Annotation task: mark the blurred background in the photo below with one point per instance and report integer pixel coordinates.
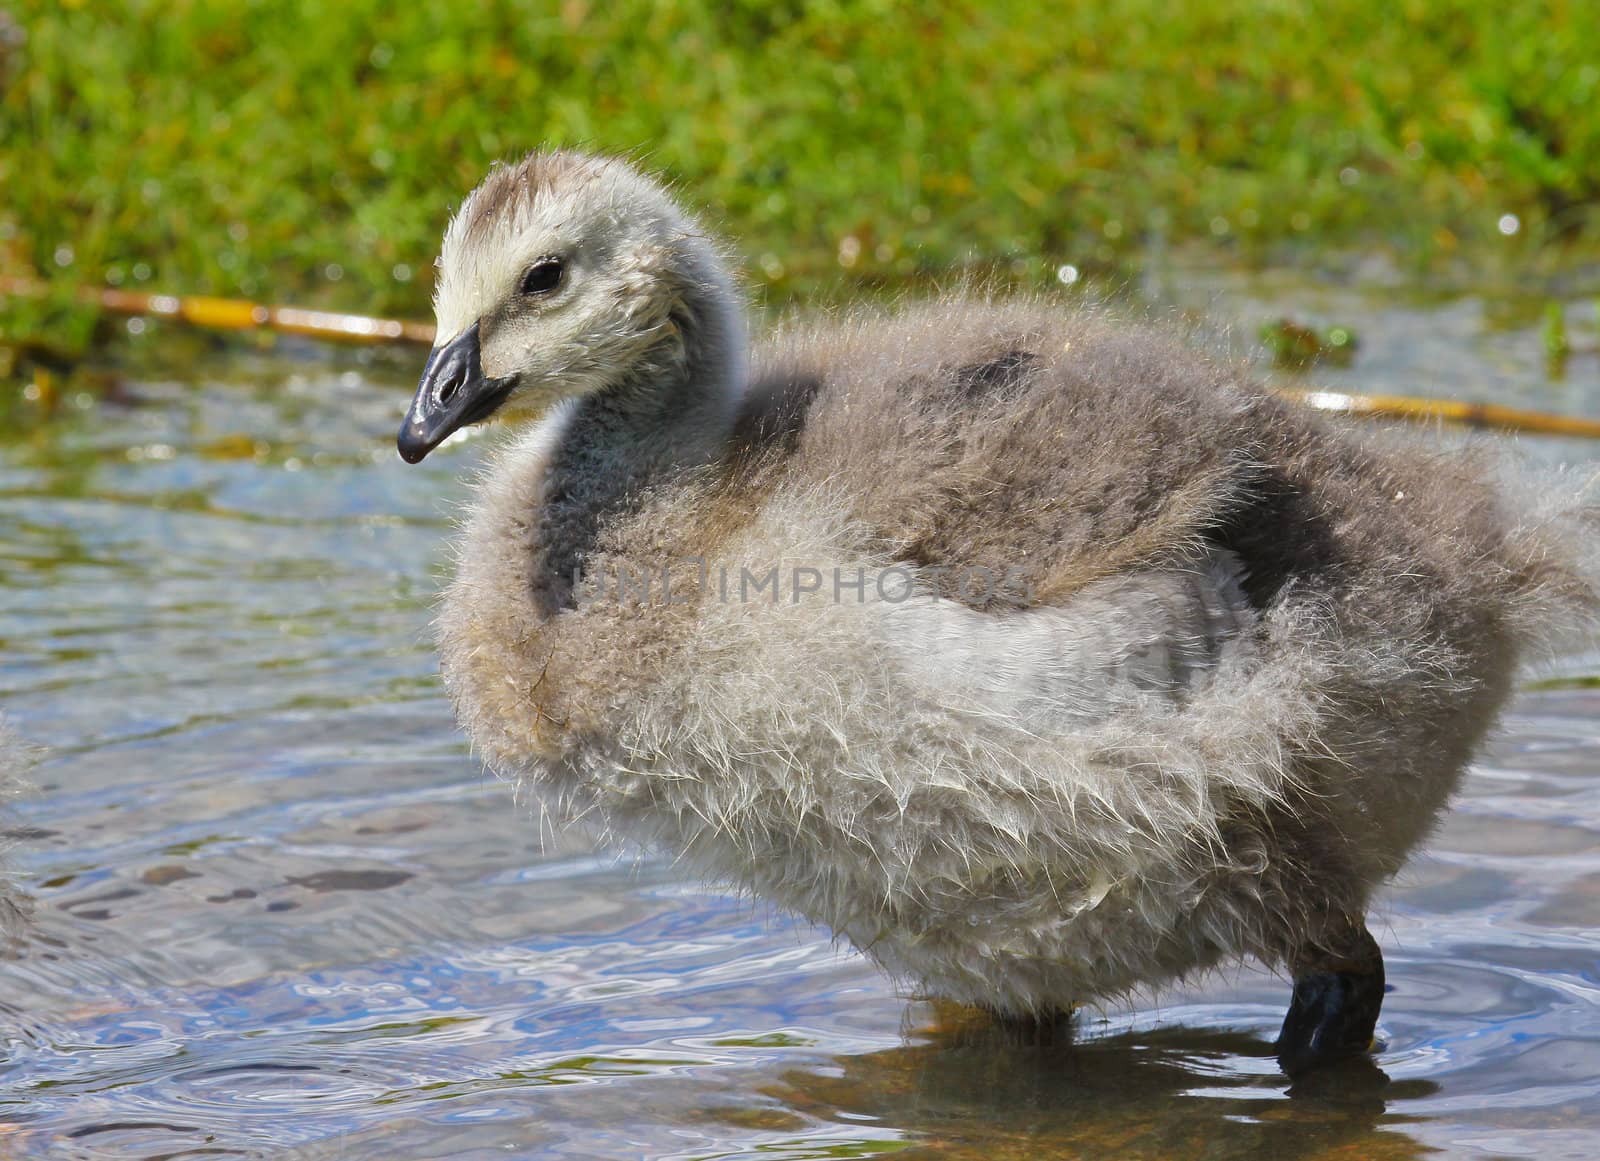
(313, 152)
(281, 910)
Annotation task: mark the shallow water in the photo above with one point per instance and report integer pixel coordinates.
(282, 912)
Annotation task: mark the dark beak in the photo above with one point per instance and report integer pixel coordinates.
(452, 394)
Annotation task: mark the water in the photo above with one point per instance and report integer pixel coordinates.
(283, 914)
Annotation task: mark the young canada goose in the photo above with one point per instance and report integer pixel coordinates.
(1040, 656)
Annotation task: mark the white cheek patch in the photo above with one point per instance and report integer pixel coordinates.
(505, 350)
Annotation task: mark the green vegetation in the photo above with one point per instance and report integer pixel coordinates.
(312, 151)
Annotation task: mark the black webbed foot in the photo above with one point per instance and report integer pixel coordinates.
(1335, 1007)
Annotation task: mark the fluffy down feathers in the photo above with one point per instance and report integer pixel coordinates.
(961, 787)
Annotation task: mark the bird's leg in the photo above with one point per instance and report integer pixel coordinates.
(1048, 1029)
(1338, 989)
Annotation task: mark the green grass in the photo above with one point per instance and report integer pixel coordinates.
(313, 150)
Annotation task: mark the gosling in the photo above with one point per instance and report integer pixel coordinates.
(1040, 656)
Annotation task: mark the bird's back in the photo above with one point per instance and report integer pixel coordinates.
(1076, 447)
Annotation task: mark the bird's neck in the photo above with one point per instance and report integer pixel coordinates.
(670, 413)
(675, 406)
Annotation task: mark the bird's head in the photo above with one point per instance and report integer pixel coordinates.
(562, 275)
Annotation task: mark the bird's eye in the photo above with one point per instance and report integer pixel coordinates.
(542, 277)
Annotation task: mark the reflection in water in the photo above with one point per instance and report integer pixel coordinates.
(975, 1091)
(283, 914)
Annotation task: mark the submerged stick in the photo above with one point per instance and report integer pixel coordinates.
(240, 314)
(1486, 415)
(237, 314)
